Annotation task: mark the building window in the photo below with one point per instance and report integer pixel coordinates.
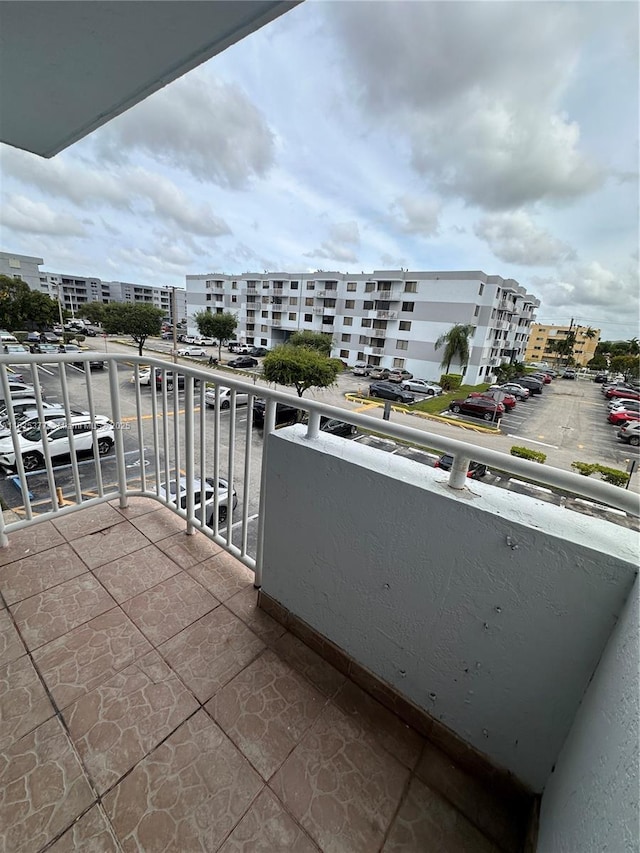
(234, 285)
(311, 285)
(402, 344)
(265, 285)
(344, 353)
(264, 313)
(398, 362)
(308, 318)
(308, 301)
(370, 286)
(365, 323)
(363, 339)
(347, 321)
(405, 325)
(351, 286)
(345, 339)
(368, 306)
(407, 306)
(293, 300)
(234, 299)
(294, 285)
(263, 342)
(292, 315)
(411, 287)
(481, 290)
(350, 303)
(477, 311)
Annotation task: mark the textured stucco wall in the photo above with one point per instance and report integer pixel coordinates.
(487, 608)
(591, 803)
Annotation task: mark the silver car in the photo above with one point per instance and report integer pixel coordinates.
(177, 494)
(422, 386)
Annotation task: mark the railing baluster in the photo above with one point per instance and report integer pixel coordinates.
(114, 390)
(269, 426)
(92, 415)
(64, 385)
(188, 452)
(143, 473)
(248, 452)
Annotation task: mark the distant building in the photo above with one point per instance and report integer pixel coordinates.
(544, 338)
(73, 291)
(390, 318)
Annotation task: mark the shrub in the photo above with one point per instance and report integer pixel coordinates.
(613, 476)
(21, 337)
(450, 381)
(80, 338)
(585, 468)
(526, 453)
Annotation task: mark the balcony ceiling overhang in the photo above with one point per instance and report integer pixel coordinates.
(66, 68)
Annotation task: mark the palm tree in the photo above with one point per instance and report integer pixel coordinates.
(456, 345)
(634, 346)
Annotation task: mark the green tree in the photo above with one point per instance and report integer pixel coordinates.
(300, 367)
(629, 365)
(319, 341)
(456, 346)
(563, 347)
(136, 320)
(23, 308)
(634, 347)
(93, 312)
(221, 327)
(598, 362)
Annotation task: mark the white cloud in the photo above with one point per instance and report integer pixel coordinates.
(515, 238)
(417, 215)
(584, 287)
(342, 236)
(35, 217)
(198, 124)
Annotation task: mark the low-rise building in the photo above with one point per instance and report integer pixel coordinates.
(544, 340)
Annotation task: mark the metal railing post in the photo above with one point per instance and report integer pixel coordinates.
(114, 391)
(459, 469)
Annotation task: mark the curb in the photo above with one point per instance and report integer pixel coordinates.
(355, 398)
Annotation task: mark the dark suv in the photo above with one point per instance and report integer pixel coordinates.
(390, 391)
(285, 414)
(534, 385)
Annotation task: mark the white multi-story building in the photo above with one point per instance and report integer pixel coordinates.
(390, 318)
(73, 291)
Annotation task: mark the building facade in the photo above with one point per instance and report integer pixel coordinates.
(390, 318)
(73, 291)
(544, 339)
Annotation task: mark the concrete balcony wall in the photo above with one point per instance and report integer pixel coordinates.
(486, 608)
(591, 800)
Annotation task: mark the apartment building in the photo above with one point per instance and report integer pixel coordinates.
(73, 291)
(543, 341)
(390, 318)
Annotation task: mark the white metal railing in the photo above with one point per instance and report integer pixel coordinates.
(193, 443)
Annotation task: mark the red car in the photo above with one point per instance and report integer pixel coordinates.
(621, 416)
(623, 393)
(545, 377)
(507, 400)
(478, 407)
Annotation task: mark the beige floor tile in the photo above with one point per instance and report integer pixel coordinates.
(11, 646)
(188, 551)
(136, 507)
(395, 736)
(222, 575)
(106, 545)
(245, 605)
(187, 795)
(29, 541)
(89, 655)
(426, 821)
(91, 834)
(320, 673)
(130, 575)
(89, 520)
(266, 710)
(167, 608)
(118, 723)
(211, 651)
(340, 785)
(42, 789)
(24, 704)
(52, 613)
(267, 828)
(31, 575)
(159, 525)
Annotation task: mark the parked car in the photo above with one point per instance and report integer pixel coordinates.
(361, 368)
(94, 364)
(243, 361)
(616, 404)
(600, 378)
(285, 414)
(39, 349)
(621, 416)
(622, 393)
(69, 348)
(239, 348)
(569, 374)
(478, 407)
(20, 405)
(517, 391)
(544, 377)
(379, 373)
(167, 336)
(19, 389)
(170, 380)
(226, 394)
(193, 352)
(204, 499)
(86, 435)
(258, 351)
(397, 375)
(390, 391)
(27, 418)
(14, 348)
(630, 433)
(507, 400)
(335, 427)
(475, 472)
(33, 338)
(534, 385)
(422, 386)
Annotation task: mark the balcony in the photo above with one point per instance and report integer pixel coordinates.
(383, 691)
(387, 315)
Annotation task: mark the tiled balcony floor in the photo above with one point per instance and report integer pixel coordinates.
(147, 704)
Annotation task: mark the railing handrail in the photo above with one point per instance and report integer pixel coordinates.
(581, 486)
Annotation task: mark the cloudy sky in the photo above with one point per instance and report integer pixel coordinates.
(355, 136)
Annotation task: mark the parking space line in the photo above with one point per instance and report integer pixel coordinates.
(531, 440)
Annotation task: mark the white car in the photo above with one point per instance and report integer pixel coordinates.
(19, 389)
(179, 496)
(144, 376)
(86, 435)
(242, 398)
(517, 391)
(193, 352)
(26, 416)
(422, 386)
